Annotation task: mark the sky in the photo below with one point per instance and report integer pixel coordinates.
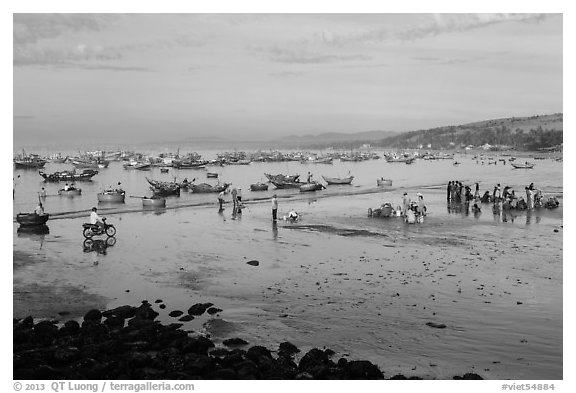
(169, 77)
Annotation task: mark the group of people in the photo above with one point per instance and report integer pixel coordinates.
(236, 200)
(118, 189)
(412, 211)
(504, 197)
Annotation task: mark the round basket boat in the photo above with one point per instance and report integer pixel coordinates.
(154, 202)
(74, 192)
(113, 197)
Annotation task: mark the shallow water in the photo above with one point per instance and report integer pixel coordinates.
(361, 286)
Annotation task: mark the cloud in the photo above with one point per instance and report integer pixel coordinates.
(438, 24)
(37, 39)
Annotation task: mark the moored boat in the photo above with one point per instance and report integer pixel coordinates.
(206, 188)
(258, 187)
(282, 178)
(70, 192)
(383, 182)
(526, 165)
(32, 161)
(86, 175)
(386, 210)
(308, 187)
(212, 175)
(154, 201)
(338, 180)
(286, 184)
(112, 196)
(32, 219)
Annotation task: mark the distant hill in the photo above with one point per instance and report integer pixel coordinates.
(335, 139)
(523, 133)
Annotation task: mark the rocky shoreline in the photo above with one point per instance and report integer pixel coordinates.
(127, 343)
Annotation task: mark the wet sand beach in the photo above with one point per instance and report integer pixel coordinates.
(453, 295)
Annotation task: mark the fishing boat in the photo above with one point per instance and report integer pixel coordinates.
(86, 175)
(212, 175)
(383, 182)
(154, 201)
(337, 180)
(32, 161)
(206, 188)
(406, 160)
(70, 192)
(282, 178)
(286, 184)
(32, 219)
(308, 187)
(89, 163)
(163, 170)
(188, 164)
(112, 196)
(162, 188)
(57, 159)
(259, 187)
(142, 166)
(526, 165)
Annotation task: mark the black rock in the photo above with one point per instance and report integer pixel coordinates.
(114, 322)
(45, 328)
(436, 325)
(27, 322)
(122, 311)
(186, 318)
(199, 308)
(72, 327)
(225, 373)
(315, 362)
(162, 306)
(256, 352)
(158, 301)
(198, 345)
(175, 313)
(145, 311)
(234, 342)
(253, 263)
(399, 376)
(362, 369)
(93, 316)
(468, 376)
(213, 310)
(287, 348)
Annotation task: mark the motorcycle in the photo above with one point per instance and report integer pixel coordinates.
(94, 229)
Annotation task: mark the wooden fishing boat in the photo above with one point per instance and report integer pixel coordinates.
(188, 164)
(89, 164)
(115, 196)
(70, 192)
(86, 175)
(282, 178)
(32, 219)
(406, 160)
(526, 165)
(206, 188)
(383, 182)
(259, 187)
(286, 184)
(142, 166)
(212, 175)
(154, 201)
(32, 161)
(308, 187)
(337, 180)
(163, 170)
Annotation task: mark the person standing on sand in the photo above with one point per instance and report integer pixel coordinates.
(477, 192)
(43, 193)
(405, 203)
(234, 193)
(274, 207)
(221, 200)
(448, 191)
(239, 196)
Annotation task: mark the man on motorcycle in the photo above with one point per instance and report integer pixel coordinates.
(95, 219)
